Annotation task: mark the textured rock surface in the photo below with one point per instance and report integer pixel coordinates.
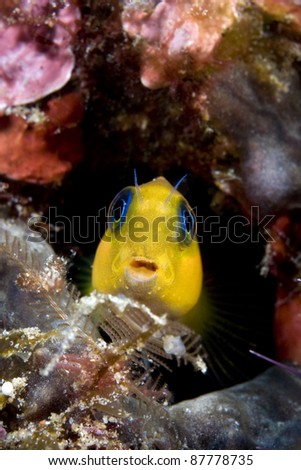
(44, 145)
(179, 36)
(264, 413)
(263, 120)
(80, 373)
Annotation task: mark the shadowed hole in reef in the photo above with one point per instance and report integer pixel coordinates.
(237, 311)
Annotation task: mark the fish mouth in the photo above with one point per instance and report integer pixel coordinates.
(141, 273)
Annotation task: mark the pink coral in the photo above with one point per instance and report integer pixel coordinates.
(179, 36)
(35, 55)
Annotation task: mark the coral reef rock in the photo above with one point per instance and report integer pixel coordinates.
(264, 413)
(36, 58)
(42, 146)
(177, 37)
(81, 373)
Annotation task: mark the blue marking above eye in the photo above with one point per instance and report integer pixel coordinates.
(187, 222)
(119, 208)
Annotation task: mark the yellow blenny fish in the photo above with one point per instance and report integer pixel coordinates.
(149, 251)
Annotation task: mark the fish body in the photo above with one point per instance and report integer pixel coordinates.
(149, 251)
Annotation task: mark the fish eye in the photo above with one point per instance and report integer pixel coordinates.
(119, 207)
(187, 222)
